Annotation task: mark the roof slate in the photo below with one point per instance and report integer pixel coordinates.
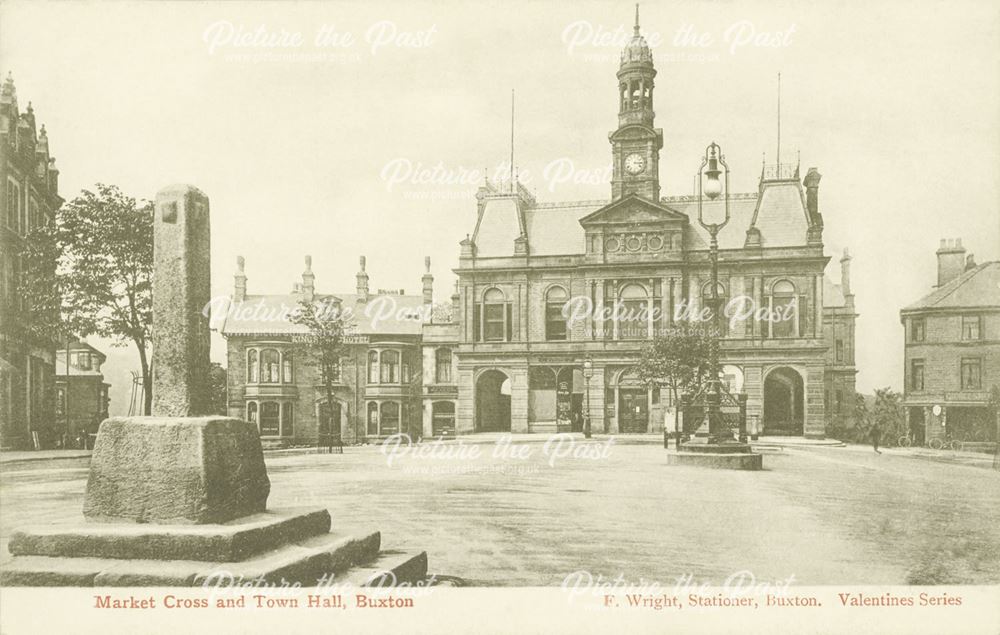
(554, 229)
(977, 287)
(383, 314)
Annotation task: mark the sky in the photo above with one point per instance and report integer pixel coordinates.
(362, 128)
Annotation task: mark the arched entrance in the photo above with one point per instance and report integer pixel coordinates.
(784, 399)
(493, 402)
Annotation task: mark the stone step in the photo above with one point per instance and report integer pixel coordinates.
(227, 542)
(390, 569)
(305, 562)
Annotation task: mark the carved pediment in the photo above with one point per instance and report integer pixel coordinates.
(635, 211)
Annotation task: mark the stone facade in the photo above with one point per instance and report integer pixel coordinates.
(29, 181)
(275, 382)
(952, 349)
(520, 361)
(507, 359)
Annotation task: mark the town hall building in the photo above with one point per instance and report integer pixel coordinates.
(521, 362)
(504, 357)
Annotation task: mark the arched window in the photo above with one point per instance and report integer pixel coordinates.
(442, 365)
(390, 367)
(372, 419)
(373, 367)
(784, 309)
(287, 419)
(555, 320)
(633, 317)
(496, 316)
(270, 366)
(252, 411)
(269, 419)
(286, 364)
(252, 366)
(389, 418)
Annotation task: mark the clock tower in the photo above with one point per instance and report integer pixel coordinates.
(636, 143)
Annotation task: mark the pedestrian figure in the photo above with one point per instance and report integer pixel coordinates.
(876, 433)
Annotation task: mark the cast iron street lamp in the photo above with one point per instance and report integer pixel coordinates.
(709, 185)
(588, 372)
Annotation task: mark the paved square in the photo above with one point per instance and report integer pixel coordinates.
(826, 515)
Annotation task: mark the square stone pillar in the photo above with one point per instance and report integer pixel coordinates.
(519, 400)
(181, 280)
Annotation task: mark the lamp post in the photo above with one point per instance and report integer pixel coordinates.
(709, 185)
(588, 372)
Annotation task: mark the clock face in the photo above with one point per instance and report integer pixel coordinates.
(635, 163)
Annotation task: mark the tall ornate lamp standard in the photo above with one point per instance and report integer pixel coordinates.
(715, 446)
(588, 372)
(709, 185)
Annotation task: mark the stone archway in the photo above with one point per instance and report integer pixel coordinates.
(493, 402)
(784, 402)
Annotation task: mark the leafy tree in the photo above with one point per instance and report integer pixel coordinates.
(103, 243)
(679, 360)
(862, 414)
(219, 397)
(887, 411)
(324, 346)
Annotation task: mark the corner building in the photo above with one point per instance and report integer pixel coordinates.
(951, 350)
(520, 361)
(30, 197)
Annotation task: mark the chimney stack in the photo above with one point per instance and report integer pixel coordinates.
(308, 281)
(428, 281)
(845, 273)
(240, 290)
(970, 262)
(456, 303)
(951, 260)
(362, 289)
(845, 278)
(811, 181)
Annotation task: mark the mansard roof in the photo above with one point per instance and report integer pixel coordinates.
(978, 287)
(777, 211)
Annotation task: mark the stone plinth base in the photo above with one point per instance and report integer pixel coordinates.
(228, 542)
(277, 547)
(701, 446)
(721, 460)
(183, 470)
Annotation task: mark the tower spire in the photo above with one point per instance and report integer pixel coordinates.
(636, 143)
